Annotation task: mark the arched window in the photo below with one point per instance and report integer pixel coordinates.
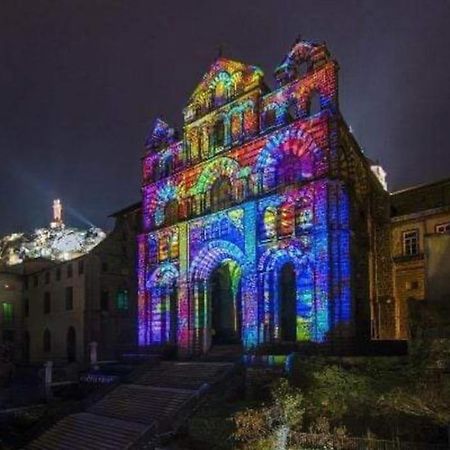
(302, 69)
(186, 209)
(286, 223)
(202, 142)
(288, 170)
(163, 248)
(219, 133)
(236, 127)
(303, 219)
(193, 143)
(239, 189)
(47, 341)
(271, 178)
(174, 247)
(167, 166)
(270, 222)
(220, 94)
(221, 197)
(156, 170)
(292, 112)
(122, 299)
(270, 117)
(152, 249)
(171, 212)
(250, 122)
(152, 172)
(314, 106)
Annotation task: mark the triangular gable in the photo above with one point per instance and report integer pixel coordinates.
(242, 76)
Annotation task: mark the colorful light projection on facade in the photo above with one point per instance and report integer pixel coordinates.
(249, 189)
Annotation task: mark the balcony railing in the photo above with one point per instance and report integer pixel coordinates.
(408, 258)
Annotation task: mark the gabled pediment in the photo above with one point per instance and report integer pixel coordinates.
(226, 79)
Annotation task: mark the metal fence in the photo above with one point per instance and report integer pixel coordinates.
(303, 441)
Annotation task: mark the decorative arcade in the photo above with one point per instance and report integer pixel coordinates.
(249, 232)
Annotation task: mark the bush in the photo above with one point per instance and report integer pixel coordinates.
(270, 425)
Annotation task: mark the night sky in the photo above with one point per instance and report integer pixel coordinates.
(81, 82)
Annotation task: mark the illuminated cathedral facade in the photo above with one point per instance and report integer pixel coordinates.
(264, 223)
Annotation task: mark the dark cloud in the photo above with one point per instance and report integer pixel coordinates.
(81, 80)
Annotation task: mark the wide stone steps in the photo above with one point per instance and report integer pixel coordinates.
(143, 404)
(156, 402)
(90, 432)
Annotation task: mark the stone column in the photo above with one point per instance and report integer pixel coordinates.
(276, 305)
(183, 338)
(265, 295)
(206, 324)
(167, 313)
(196, 318)
(250, 310)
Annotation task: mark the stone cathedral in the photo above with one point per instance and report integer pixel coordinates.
(264, 223)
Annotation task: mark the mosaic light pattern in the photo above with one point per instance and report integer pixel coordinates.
(282, 207)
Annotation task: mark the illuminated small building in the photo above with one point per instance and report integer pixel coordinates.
(264, 223)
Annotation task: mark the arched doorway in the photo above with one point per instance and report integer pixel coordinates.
(209, 278)
(71, 344)
(288, 308)
(225, 303)
(163, 287)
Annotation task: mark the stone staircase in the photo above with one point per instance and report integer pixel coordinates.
(89, 431)
(145, 404)
(156, 401)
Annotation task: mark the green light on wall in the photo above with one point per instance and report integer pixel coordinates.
(122, 300)
(7, 312)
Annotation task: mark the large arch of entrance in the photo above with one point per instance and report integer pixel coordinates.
(218, 280)
(224, 291)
